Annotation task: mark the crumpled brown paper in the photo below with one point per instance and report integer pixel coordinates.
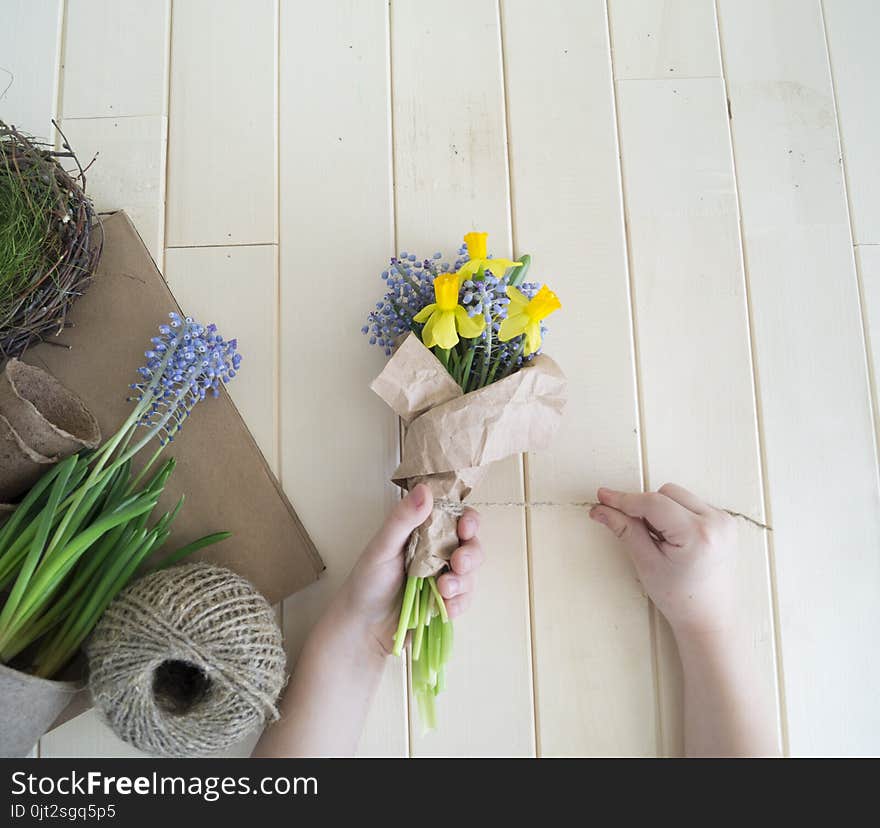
(451, 437)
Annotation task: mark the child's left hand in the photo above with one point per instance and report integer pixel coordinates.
(373, 588)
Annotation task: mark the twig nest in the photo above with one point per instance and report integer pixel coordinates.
(187, 661)
(52, 240)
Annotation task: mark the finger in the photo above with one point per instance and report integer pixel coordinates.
(451, 585)
(408, 514)
(467, 558)
(458, 605)
(687, 499)
(632, 531)
(468, 524)
(671, 519)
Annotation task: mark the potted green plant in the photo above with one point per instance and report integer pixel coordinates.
(86, 528)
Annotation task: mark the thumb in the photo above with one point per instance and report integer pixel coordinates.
(632, 531)
(408, 514)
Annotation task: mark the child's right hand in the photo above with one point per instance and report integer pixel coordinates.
(683, 551)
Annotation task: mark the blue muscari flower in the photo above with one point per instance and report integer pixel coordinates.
(409, 286)
(186, 362)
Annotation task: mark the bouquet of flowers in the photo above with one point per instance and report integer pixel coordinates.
(468, 379)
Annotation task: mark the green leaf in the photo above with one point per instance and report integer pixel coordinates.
(10, 528)
(195, 546)
(37, 546)
(519, 273)
(48, 580)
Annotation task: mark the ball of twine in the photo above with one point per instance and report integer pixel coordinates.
(187, 661)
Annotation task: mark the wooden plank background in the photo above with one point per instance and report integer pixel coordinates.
(696, 180)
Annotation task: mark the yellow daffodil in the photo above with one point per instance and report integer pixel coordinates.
(445, 319)
(476, 246)
(524, 316)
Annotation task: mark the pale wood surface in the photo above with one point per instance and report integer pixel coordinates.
(716, 329)
(691, 317)
(336, 214)
(129, 169)
(115, 58)
(852, 27)
(664, 39)
(592, 631)
(222, 130)
(30, 59)
(451, 176)
(815, 405)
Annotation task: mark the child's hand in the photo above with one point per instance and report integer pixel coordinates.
(373, 589)
(682, 550)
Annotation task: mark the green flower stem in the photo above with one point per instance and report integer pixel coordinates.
(122, 437)
(405, 610)
(440, 686)
(446, 642)
(142, 473)
(416, 611)
(424, 619)
(467, 363)
(487, 355)
(438, 600)
(434, 644)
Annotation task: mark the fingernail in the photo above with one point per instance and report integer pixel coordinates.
(464, 563)
(450, 586)
(418, 496)
(600, 517)
(467, 525)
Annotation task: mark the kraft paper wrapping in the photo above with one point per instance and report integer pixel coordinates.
(452, 437)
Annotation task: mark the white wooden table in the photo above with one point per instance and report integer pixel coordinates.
(698, 182)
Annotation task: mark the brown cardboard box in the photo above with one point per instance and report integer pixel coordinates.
(227, 483)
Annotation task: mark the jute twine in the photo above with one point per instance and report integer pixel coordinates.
(441, 504)
(187, 661)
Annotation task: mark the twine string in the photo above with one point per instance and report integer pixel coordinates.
(209, 619)
(446, 505)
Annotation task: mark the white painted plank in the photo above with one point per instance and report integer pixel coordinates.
(664, 39)
(868, 260)
(235, 287)
(115, 58)
(819, 442)
(221, 154)
(129, 171)
(694, 354)
(595, 689)
(852, 27)
(451, 177)
(88, 737)
(339, 443)
(29, 47)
